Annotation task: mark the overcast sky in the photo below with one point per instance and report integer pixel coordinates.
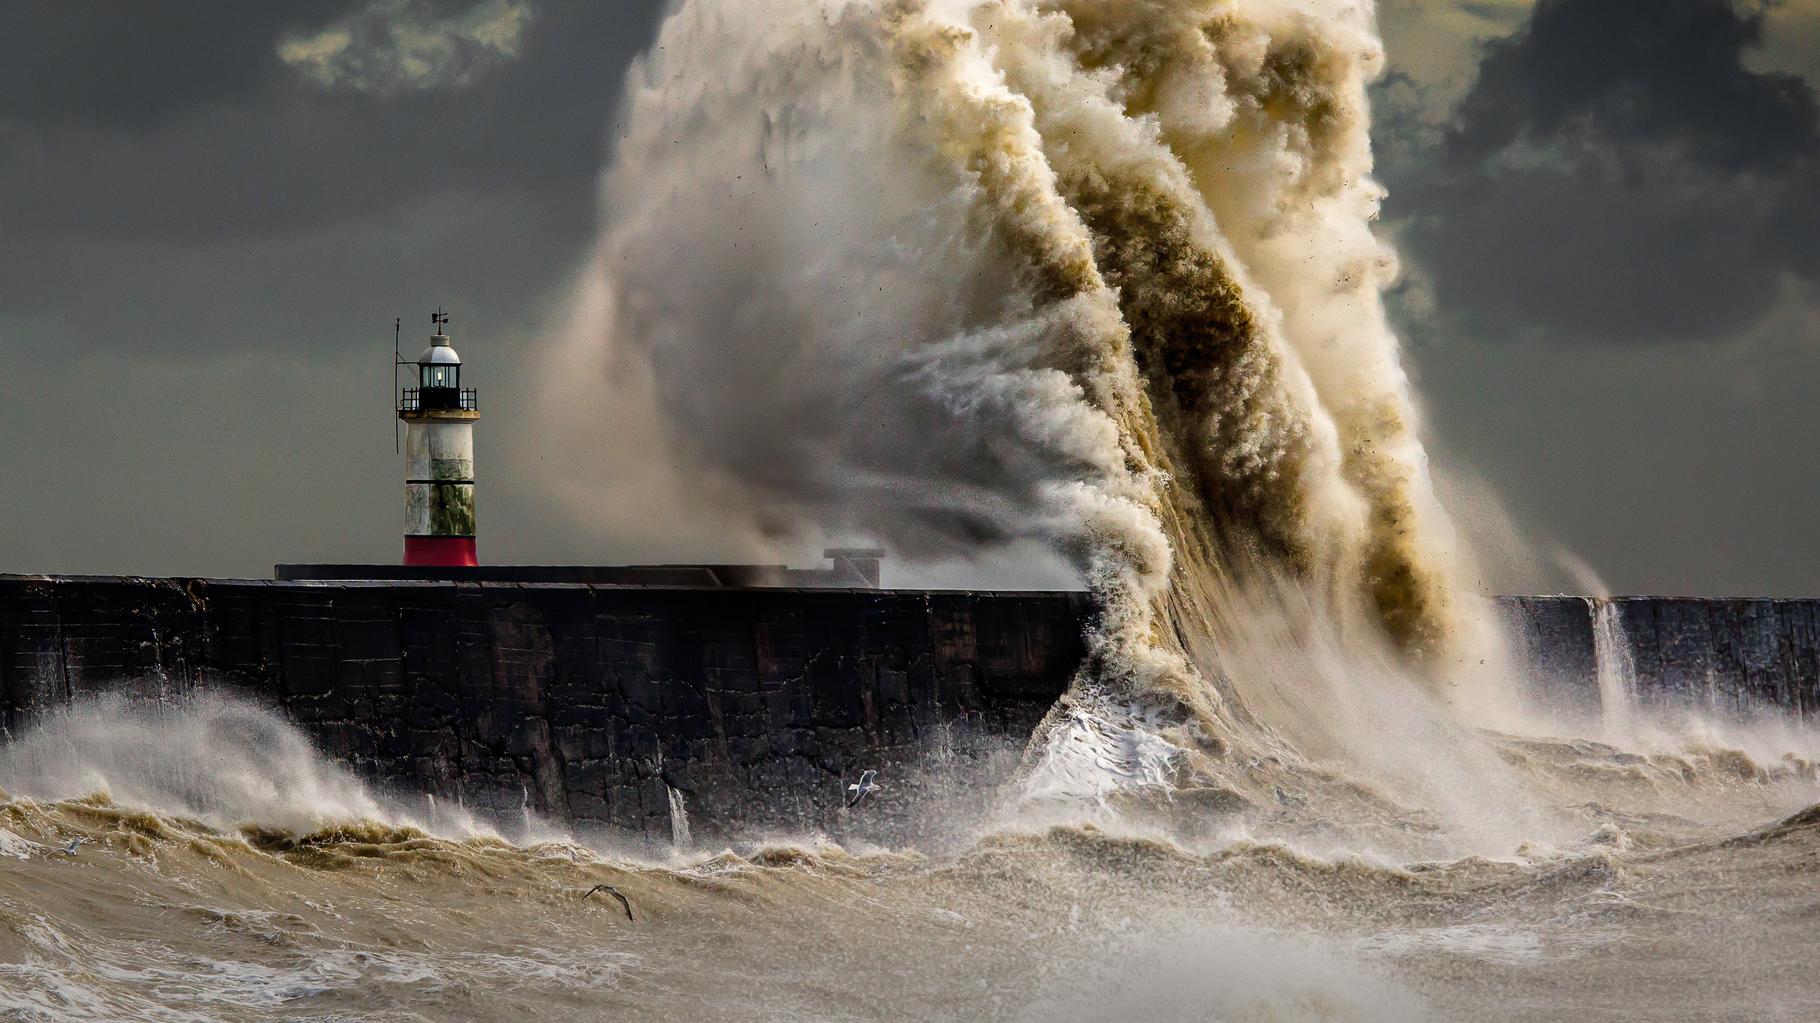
(210, 213)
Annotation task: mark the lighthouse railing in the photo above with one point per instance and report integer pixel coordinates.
(438, 399)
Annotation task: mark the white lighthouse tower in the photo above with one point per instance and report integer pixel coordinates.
(439, 416)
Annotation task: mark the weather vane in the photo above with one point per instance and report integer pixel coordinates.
(440, 319)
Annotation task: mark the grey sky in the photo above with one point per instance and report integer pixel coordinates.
(1609, 211)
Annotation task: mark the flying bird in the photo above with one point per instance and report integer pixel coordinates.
(75, 843)
(858, 791)
(616, 893)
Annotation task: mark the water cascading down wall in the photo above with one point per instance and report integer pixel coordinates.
(614, 707)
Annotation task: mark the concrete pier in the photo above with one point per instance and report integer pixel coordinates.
(750, 708)
(1726, 655)
(590, 704)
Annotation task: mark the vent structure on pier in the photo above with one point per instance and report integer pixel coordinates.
(439, 416)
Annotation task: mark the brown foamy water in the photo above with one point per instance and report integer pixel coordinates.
(1702, 914)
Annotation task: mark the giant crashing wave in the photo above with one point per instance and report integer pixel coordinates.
(1092, 274)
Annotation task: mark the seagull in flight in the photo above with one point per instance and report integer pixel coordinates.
(858, 791)
(75, 843)
(616, 893)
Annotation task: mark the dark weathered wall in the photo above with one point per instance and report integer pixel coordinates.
(1730, 655)
(1552, 640)
(589, 704)
(593, 704)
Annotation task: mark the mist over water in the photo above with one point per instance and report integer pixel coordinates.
(1090, 283)
(212, 760)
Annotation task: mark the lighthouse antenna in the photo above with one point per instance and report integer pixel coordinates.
(397, 357)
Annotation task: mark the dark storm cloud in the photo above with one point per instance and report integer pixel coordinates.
(192, 127)
(127, 65)
(166, 176)
(1638, 73)
(1618, 172)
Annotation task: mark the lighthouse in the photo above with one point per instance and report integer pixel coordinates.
(439, 416)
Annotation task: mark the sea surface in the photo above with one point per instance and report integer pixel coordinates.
(214, 885)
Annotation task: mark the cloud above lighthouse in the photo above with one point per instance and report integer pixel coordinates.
(400, 45)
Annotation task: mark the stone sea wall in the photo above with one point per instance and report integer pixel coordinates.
(1730, 655)
(654, 711)
(627, 708)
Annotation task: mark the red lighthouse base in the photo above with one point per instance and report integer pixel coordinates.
(441, 551)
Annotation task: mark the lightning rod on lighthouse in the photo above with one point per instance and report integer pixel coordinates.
(439, 416)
